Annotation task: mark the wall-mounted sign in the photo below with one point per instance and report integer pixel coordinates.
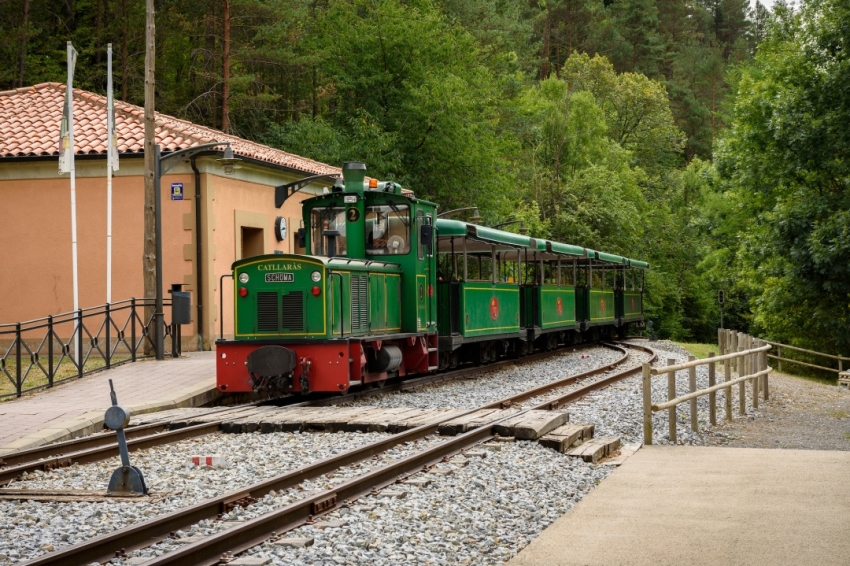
(176, 191)
(280, 228)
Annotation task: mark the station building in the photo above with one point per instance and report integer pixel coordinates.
(237, 212)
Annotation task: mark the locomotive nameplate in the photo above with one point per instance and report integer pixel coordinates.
(280, 277)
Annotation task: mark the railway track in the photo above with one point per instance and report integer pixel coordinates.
(100, 447)
(239, 538)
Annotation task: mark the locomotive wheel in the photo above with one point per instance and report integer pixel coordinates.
(445, 360)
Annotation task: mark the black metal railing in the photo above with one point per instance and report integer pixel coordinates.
(47, 351)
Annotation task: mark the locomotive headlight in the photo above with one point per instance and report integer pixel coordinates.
(243, 277)
(316, 276)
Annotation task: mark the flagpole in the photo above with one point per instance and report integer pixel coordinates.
(70, 98)
(110, 149)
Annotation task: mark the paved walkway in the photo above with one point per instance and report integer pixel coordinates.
(76, 407)
(701, 505)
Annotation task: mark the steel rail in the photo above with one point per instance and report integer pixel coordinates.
(105, 547)
(212, 549)
(99, 453)
(602, 383)
(82, 451)
(77, 444)
(416, 383)
(64, 453)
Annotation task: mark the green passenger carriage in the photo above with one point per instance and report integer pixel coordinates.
(388, 290)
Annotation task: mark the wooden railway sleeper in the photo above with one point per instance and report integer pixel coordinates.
(240, 500)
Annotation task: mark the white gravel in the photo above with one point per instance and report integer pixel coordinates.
(30, 528)
(488, 511)
(483, 513)
(618, 410)
(491, 386)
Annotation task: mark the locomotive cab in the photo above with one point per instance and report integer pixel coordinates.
(359, 308)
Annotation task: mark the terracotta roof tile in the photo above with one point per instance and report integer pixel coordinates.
(30, 117)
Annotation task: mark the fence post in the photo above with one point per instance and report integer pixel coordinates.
(779, 355)
(754, 364)
(18, 382)
(712, 397)
(735, 348)
(133, 329)
(80, 343)
(108, 337)
(739, 363)
(727, 393)
(766, 382)
(50, 350)
(692, 385)
(647, 405)
(720, 346)
(671, 394)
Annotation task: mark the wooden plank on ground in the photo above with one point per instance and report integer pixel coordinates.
(247, 423)
(563, 437)
(167, 415)
(462, 424)
(429, 417)
(626, 451)
(596, 449)
(531, 425)
(331, 419)
(380, 421)
(191, 419)
(289, 419)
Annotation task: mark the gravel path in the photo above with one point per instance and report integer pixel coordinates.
(494, 385)
(801, 414)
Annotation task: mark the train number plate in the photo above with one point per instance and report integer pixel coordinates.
(280, 277)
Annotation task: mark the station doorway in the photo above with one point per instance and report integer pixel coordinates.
(252, 241)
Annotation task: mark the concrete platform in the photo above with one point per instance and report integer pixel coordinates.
(705, 505)
(76, 407)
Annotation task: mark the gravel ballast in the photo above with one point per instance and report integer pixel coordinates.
(491, 386)
(484, 512)
(30, 528)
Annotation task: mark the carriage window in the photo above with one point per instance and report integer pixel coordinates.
(327, 229)
(387, 229)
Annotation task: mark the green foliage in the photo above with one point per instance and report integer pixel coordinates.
(785, 163)
(591, 121)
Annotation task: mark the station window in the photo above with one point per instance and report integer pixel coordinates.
(328, 225)
(387, 229)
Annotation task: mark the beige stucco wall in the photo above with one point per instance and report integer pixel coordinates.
(35, 234)
(237, 203)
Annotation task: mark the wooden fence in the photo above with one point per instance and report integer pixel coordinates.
(748, 357)
(727, 340)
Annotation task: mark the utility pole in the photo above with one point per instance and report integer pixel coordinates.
(225, 87)
(149, 254)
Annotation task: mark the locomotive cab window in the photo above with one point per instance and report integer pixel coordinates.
(327, 236)
(387, 229)
(423, 249)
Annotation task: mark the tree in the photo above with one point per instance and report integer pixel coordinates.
(786, 159)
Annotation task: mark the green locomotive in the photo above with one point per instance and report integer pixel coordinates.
(388, 290)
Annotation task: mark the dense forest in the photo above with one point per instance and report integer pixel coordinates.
(707, 136)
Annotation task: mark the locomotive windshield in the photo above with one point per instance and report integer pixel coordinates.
(328, 225)
(388, 229)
